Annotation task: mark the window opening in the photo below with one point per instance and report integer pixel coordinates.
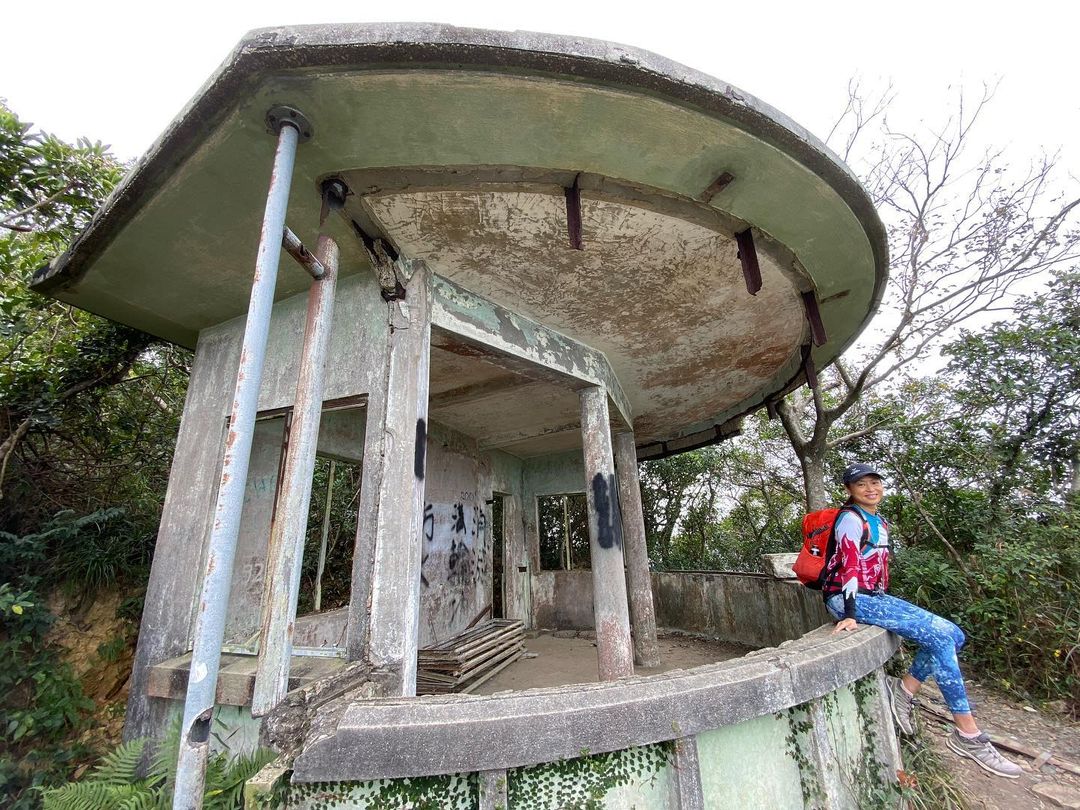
(564, 532)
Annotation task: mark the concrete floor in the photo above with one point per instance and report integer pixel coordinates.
(564, 657)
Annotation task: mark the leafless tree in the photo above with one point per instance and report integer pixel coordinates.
(965, 228)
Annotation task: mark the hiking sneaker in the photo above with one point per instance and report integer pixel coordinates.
(983, 752)
(902, 705)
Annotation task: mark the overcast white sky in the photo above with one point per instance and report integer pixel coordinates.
(119, 72)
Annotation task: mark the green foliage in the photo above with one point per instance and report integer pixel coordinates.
(341, 531)
(416, 793)
(115, 783)
(89, 407)
(1022, 616)
(88, 412)
(583, 782)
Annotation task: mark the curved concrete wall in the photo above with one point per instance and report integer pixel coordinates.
(801, 722)
(753, 610)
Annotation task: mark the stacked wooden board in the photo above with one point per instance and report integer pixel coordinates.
(462, 663)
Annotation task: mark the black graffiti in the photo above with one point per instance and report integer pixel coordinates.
(429, 536)
(608, 522)
(421, 449)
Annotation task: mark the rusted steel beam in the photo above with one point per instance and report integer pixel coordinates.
(639, 582)
(748, 258)
(295, 248)
(217, 577)
(397, 509)
(289, 528)
(614, 650)
(722, 181)
(573, 214)
(813, 316)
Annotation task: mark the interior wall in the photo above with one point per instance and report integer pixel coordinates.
(341, 436)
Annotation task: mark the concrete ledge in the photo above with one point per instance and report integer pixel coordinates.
(372, 739)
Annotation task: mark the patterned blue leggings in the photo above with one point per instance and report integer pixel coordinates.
(939, 640)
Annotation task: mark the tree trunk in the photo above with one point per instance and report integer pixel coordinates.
(812, 460)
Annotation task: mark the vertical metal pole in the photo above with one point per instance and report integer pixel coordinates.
(566, 531)
(613, 647)
(213, 600)
(642, 613)
(321, 567)
(281, 587)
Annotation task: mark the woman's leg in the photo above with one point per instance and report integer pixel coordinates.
(938, 640)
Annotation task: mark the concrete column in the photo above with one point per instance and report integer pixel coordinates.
(492, 790)
(823, 760)
(289, 528)
(686, 784)
(393, 624)
(642, 614)
(613, 646)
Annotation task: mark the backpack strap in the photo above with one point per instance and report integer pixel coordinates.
(830, 547)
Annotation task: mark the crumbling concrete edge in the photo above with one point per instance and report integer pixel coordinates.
(460, 733)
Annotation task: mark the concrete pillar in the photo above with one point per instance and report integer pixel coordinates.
(642, 614)
(288, 531)
(613, 646)
(492, 790)
(686, 784)
(393, 624)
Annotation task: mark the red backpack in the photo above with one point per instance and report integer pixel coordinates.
(817, 531)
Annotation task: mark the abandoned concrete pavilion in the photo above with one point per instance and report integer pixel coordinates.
(523, 263)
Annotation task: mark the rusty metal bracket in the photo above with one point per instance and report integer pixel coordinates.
(722, 181)
(747, 254)
(280, 115)
(813, 316)
(573, 213)
(295, 248)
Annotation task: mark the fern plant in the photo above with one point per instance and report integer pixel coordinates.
(114, 784)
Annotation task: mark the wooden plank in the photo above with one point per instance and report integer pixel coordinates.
(491, 674)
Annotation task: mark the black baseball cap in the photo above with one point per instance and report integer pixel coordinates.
(853, 472)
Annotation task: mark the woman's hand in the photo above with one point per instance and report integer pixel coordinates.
(845, 624)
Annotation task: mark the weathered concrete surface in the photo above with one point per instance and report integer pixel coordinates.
(392, 738)
(779, 565)
(518, 107)
(686, 785)
(395, 591)
(243, 617)
(173, 587)
(611, 610)
(741, 608)
(639, 584)
(476, 318)
(562, 600)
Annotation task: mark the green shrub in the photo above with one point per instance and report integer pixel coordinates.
(114, 782)
(1020, 606)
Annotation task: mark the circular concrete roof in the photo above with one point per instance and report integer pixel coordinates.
(457, 146)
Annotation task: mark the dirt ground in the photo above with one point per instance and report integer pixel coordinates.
(566, 656)
(1005, 720)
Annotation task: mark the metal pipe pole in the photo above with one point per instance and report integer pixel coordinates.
(214, 598)
(321, 567)
(281, 586)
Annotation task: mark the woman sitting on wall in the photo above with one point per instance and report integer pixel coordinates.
(854, 590)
